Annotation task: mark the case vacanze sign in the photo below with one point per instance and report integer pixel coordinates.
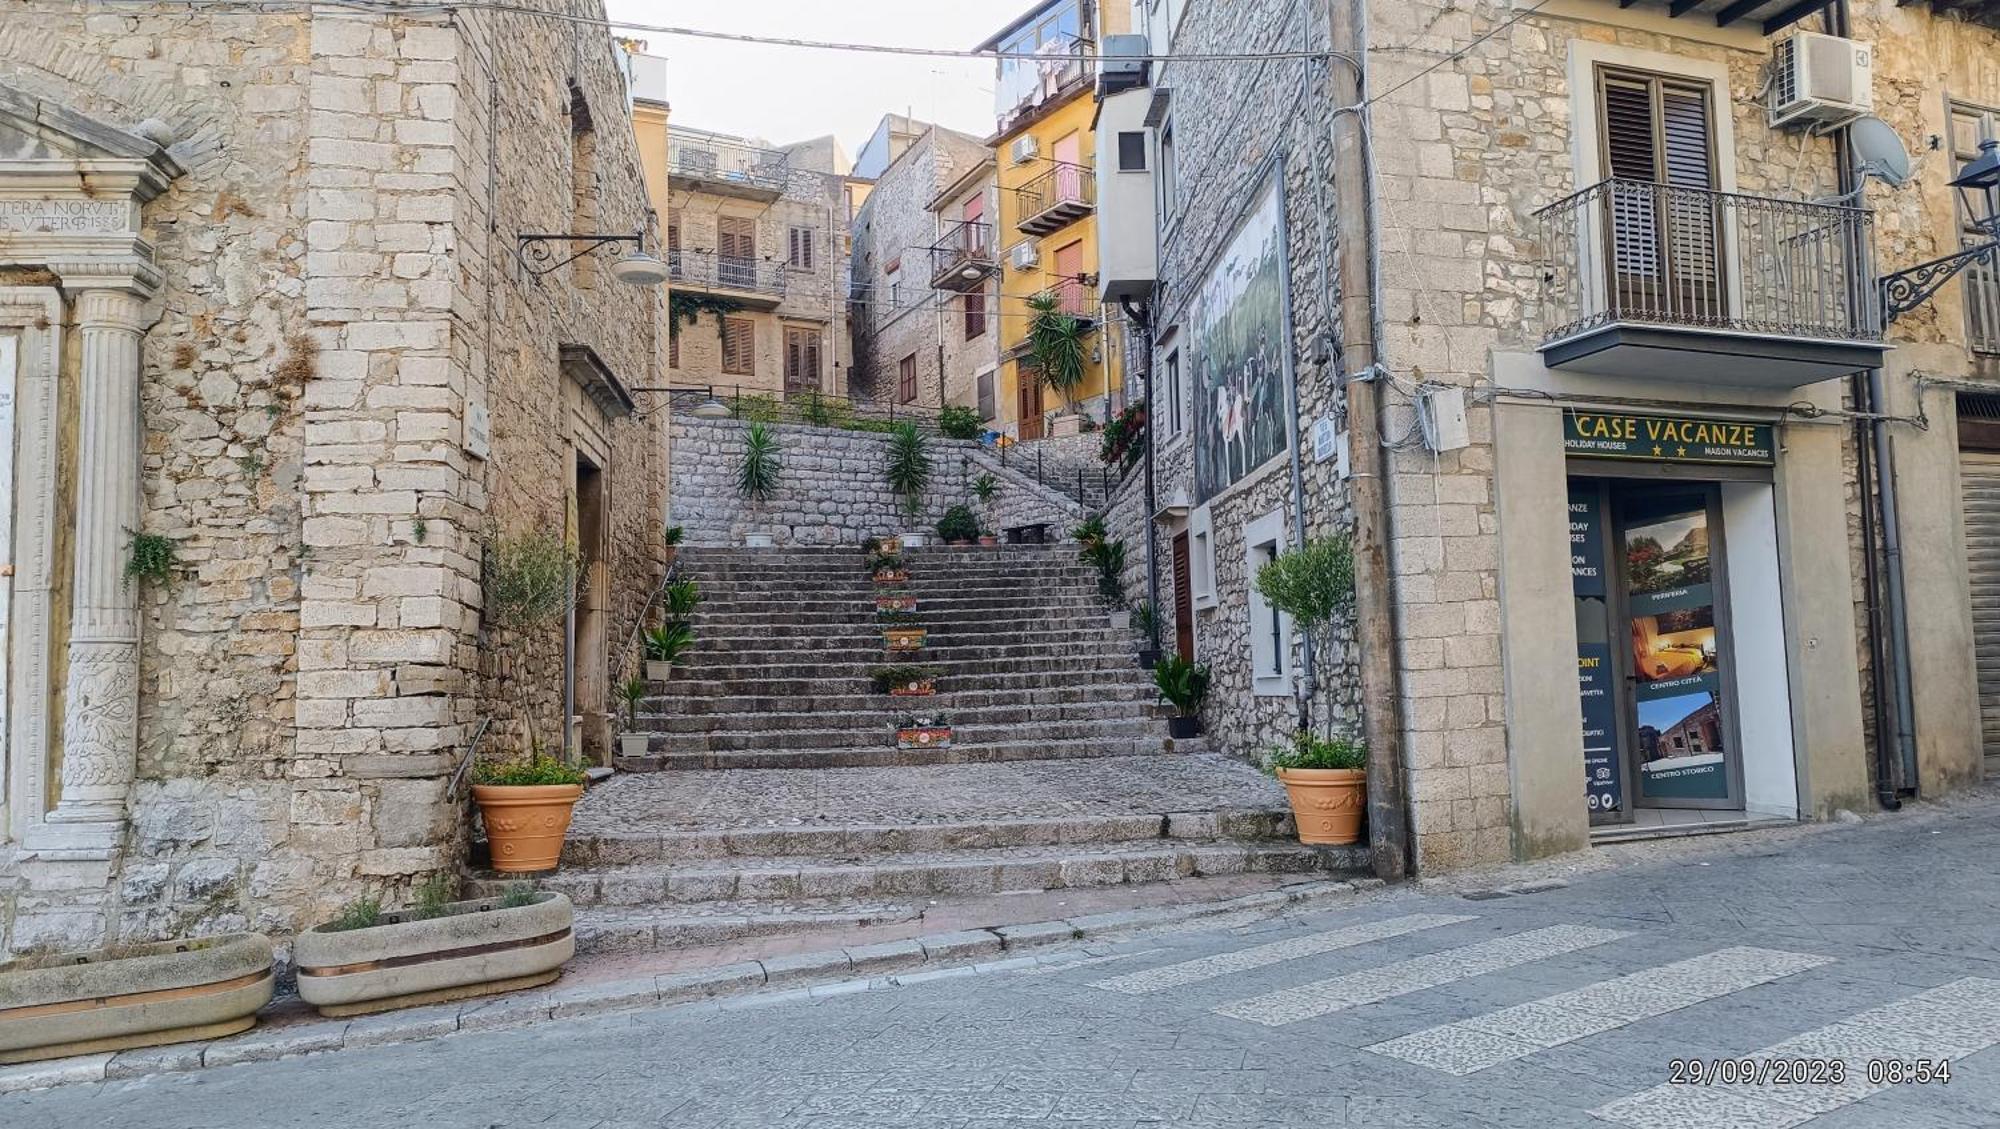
(1672, 439)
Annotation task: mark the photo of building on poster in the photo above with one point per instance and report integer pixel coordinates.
(1240, 352)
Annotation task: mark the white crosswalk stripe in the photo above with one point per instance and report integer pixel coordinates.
(1948, 1022)
(1471, 1045)
(1259, 956)
(1306, 1001)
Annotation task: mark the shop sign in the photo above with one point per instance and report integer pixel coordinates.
(1672, 439)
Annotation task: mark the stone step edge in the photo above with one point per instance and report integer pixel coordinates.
(892, 964)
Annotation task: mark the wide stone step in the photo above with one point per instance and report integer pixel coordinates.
(630, 929)
(875, 717)
(1106, 667)
(1041, 602)
(861, 619)
(765, 683)
(957, 873)
(879, 732)
(943, 648)
(859, 841)
(781, 754)
(1129, 696)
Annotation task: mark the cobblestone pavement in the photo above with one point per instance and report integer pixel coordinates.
(706, 800)
(1438, 1006)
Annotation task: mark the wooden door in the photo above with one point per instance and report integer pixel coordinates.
(1183, 599)
(1069, 279)
(1030, 401)
(1067, 153)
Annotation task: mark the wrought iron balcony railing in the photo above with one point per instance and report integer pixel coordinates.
(727, 164)
(1630, 251)
(1056, 198)
(1074, 297)
(705, 270)
(963, 255)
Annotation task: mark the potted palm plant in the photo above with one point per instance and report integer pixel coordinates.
(674, 535)
(904, 680)
(1056, 344)
(525, 806)
(908, 469)
(923, 731)
(900, 631)
(665, 645)
(958, 526)
(1146, 622)
(1326, 780)
(985, 488)
(1184, 685)
(633, 743)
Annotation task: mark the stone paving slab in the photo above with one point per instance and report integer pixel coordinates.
(646, 803)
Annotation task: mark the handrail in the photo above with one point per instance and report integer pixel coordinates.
(471, 754)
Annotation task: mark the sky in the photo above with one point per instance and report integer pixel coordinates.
(786, 94)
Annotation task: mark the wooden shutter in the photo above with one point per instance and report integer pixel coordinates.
(674, 230)
(801, 358)
(1664, 241)
(739, 354)
(799, 248)
(906, 384)
(1183, 600)
(975, 314)
(736, 237)
(674, 350)
(1980, 472)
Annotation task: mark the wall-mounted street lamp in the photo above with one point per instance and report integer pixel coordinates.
(1978, 187)
(536, 254)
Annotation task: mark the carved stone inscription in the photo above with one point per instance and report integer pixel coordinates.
(65, 217)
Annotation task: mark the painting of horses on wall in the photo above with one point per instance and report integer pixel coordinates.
(1241, 352)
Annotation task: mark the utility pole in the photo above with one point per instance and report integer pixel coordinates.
(1374, 594)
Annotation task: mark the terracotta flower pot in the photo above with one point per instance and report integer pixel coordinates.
(892, 576)
(914, 690)
(1326, 802)
(926, 737)
(988, 540)
(904, 638)
(887, 545)
(525, 825)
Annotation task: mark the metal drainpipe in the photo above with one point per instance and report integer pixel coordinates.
(1141, 316)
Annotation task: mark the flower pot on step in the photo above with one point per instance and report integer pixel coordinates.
(888, 545)
(634, 744)
(757, 541)
(924, 737)
(1326, 803)
(988, 540)
(657, 671)
(1121, 621)
(923, 688)
(62, 1004)
(913, 540)
(904, 638)
(472, 948)
(1182, 728)
(1149, 658)
(525, 824)
(895, 603)
(892, 575)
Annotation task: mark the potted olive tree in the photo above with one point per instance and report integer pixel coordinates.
(1184, 685)
(1324, 773)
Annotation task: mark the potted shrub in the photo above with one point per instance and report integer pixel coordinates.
(900, 631)
(633, 743)
(665, 645)
(905, 681)
(1184, 685)
(674, 535)
(958, 526)
(525, 806)
(367, 961)
(54, 1005)
(1146, 621)
(923, 731)
(1327, 783)
(956, 421)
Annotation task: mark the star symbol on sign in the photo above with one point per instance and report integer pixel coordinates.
(1656, 449)
(1681, 451)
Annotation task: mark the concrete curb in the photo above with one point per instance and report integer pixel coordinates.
(825, 973)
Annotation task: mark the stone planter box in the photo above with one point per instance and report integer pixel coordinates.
(132, 996)
(474, 948)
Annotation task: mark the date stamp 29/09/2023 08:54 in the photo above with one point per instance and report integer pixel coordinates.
(1806, 1071)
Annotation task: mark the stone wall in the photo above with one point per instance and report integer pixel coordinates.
(831, 489)
(333, 299)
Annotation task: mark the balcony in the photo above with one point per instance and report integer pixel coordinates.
(962, 258)
(1075, 297)
(1659, 282)
(753, 282)
(703, 162)
(1057, 198)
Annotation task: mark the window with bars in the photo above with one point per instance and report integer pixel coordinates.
(1969, 126)
(802, 358)
(906, 380)
(739, 350)
(800, 246)
(975, 314)
(1664, 222)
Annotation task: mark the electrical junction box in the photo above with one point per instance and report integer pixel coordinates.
(1441, 412)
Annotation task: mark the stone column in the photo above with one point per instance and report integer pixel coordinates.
(101, 694)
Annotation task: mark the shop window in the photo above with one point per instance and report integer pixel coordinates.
(1270, 629)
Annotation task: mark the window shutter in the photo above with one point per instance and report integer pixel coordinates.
(738, 346)
(1628, 130)
(810, 373)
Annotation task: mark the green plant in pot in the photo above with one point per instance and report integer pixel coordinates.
(1056, 343)
(1146, 624)
(986, 488)
(525, 805)
(1184, 685)
(905, 680)
(1326, 779)
(958, 526)
(632, 692)
(682, 598)
(673, 538)
(665, 645)
(957, 421)
(908, 469)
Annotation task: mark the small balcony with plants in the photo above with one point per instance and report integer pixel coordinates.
(726, 166)
(1664, 282)
(1057, 198)
(962, 258)
(751, 283)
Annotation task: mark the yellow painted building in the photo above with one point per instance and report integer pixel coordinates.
(1046, 227)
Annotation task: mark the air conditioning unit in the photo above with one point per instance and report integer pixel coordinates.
(1025, 256)
(1024, 149)
(1822, 81)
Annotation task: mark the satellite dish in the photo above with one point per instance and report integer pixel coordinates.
(1878, 152)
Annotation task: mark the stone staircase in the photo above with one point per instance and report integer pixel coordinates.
(773, 801)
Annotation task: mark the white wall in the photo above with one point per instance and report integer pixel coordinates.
(1757, 632)
(1127, 258)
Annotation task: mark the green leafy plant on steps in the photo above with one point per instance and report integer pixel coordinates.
(151, 560)
(674, 535)
(633, 692)
(683, 597)
(909, 467)
(437, 892)
(887, 678)
(1182, 683)
(957, 421)
(529, 772)
(1056, 345)
(757, 474)
(1310, 751)
(518, 894)
(1108, 558)
(958, 524)
(1089, 532)
(984, 488)
(1314, 584)
(668, 642)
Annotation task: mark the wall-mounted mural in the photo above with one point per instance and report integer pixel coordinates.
(1240, 351)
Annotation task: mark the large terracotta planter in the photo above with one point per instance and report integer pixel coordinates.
(473, 948)
(132, 996)
(525, 825)
(1326, 803)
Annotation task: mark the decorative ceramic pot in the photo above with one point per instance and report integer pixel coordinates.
(63, 1004)
(913, 540)
(757, 541)
(525, 825)
(919, 689)
(888, 545)
(988, 540)
(895, 603)
(472, 948)
(904, 638)
(925, 737)
(892, 575)
(1327, 803)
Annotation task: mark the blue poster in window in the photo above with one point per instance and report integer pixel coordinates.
(1604, 785)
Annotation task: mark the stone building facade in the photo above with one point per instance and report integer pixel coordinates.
(917, 342)
(262, 305)
(1475, 163)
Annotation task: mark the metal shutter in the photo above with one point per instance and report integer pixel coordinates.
(1981, 474)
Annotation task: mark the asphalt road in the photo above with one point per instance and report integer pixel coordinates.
(1816, 977)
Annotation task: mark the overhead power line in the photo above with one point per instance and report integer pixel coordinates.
(395, 7)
